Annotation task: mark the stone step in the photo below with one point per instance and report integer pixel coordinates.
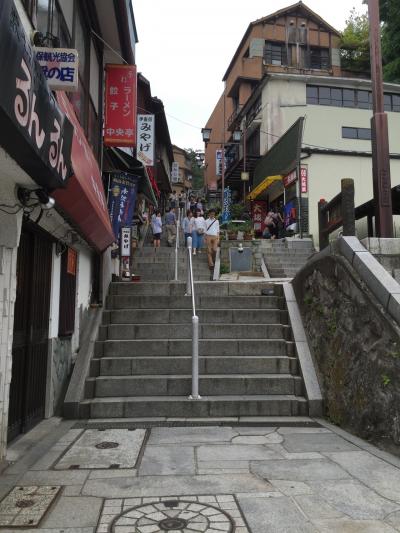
(180, 385)
(217, 288)
(184, 331)
(178, 316)
(180, 406)
(203, 302)
(127, 366)
(241, 421)
(177, 347)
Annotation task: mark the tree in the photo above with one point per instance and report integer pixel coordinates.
(354, 48)
(197, 170)
(390, 16)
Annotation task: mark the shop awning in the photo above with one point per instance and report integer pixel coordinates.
(131, 164)
(83, 201)
(261, 187)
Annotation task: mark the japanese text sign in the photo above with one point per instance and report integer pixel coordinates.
(122, 199)
(60, 67)
(121, 107)
(175, 172)
(289, 179)
(125, 242)
(259, 212)
(226, 212)
(218, 162)
(71, 261)
(145, 140)
(304, 179)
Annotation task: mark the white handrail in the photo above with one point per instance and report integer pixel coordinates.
(195, 326)
(178, 224)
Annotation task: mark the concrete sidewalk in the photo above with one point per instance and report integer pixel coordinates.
(281, 479)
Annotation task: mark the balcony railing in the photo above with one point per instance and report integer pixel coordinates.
(234, 115)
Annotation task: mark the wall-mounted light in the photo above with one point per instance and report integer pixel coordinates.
(236, 136)
(206, 132)
(26, 198)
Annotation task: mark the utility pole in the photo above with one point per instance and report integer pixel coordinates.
(379, 127)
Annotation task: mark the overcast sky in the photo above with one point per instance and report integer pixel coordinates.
(185, 47)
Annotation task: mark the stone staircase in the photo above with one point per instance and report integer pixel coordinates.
(285, 257)
(159, 264)
(142, 364)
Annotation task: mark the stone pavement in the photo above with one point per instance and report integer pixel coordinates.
(281, 479)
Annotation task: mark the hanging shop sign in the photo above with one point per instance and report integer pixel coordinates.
(72, 257)
(289, 179)
(175, 172)
(126, 242)
(226, 212)
(218, 162)
(60, 67)
(121, 107)
(122, 199)
(33, 129)
(259, 212)
(304, 179)
(145, 140)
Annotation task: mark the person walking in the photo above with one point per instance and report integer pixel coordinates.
(186, 225)
(170, 226)
(198, 226)
(156, 226)
(212, 239)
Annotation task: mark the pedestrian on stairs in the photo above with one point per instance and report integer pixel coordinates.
(170, 226)
(198, 226)
(212, 239)
(186, 225)
(156, 226)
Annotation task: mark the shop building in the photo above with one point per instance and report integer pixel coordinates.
(55, 264)
(182, 178)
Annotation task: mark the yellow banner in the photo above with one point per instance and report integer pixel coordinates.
(262, 186)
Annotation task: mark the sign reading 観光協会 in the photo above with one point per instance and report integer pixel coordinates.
(304, 179)
(120, 109)
(145, 140)
(60, 67)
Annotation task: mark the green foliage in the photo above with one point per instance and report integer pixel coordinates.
(354, 48)
(224, 269)
(308, 300)
(390, 16)
(385, 380)
(197, 171)
(237, 211)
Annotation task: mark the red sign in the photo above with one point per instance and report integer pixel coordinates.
(83, 200)
(304, 180)
(71, 261)
(259, 212)
(121, 106)
(289, 179)
(150, 173)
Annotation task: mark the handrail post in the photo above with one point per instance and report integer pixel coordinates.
(188, 282)
(195, 358)
(348, 216)
(322, 225)
(178, 223)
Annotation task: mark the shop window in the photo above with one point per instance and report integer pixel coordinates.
(275, 53)
(69, 261)
(356, 133)
(312, 95)
(358, 99)
(363, 99)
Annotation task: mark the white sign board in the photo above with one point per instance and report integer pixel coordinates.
(218, 162)
(145, 140)
(60, 67)
(125, 242)
(175, 172)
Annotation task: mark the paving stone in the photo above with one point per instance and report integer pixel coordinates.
(353, 526)
(316, 508)
(167, 460)
(52, 530)
(106, 474)
(278, 515)
(354, 499)
(78, 511)
(179, 485)
(124, 449)
(235, 452)
(250, 439)
(254, 431)
(190, 435)
(72, 490)
(50, 477)
(222, 465)
(375, 473)
(298, 470)
(26, 506)
(291, 488)
(317, 443)
(289, 430)
(394, 519)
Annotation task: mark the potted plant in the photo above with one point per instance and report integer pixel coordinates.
(248, 230)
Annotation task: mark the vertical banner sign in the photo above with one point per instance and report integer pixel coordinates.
(226, 212)
(126, 242)
(145, 140)
(121, 106)
(175, 172)
(259, 212)
(122, 200)
(304, 179)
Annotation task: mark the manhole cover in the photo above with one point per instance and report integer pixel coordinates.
(172, 524)
(106, 445)
(179, 516)
(23, 504)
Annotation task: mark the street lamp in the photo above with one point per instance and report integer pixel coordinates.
(206, 132)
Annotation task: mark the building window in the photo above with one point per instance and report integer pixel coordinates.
(356, 133)
(275, 53)
(338, 97)
(66, 323)
(319, 58)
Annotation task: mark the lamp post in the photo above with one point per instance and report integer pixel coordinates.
(380, 137)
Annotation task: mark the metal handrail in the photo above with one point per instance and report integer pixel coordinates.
(195, 326)
(178, 224)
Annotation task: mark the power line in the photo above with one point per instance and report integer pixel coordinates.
(183, 122)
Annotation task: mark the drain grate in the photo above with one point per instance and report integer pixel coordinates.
(106, 445)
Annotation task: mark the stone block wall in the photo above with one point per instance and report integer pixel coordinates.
(255, 244)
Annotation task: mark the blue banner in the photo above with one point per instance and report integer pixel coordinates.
(226, 212)
(122, 199)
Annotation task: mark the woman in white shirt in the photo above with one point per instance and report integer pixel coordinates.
(198, 229)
